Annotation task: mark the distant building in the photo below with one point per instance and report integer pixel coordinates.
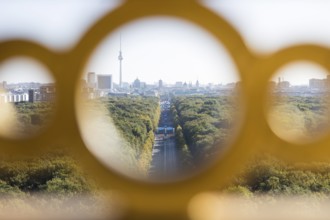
(320, 83)
(160, 84)
(197, 83)
(317, 83)
(31, 95)
(151, 93)
(91, 80)
(137, 83)
(47, 93)
(3, 86)
(283, 84)
(13, 97)
(178, 84)
(125, 85)
(104, 82)
(143, 85)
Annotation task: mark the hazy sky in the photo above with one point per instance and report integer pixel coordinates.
(164, 48)
(302, 71)
(266, 26)
(28, 70)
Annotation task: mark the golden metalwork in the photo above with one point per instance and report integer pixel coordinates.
(167, 199)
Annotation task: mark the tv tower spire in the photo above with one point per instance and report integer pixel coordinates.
(120, 58)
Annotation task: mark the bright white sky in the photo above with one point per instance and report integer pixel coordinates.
(23, 69)
(299, 73)
(163, 50)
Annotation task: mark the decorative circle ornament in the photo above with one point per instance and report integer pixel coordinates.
(254, 134)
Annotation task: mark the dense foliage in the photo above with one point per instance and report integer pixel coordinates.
(292, 117)
(300, 117)
(205, 121)
(202, 123)
(32, 116)
(53, 173)
(136, 118)
(49, 184)
(266, 175)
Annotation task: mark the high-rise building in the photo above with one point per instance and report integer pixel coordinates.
(317, 83)
(47, 92)
(91, 80)
(320, 83)
(160, 84)
(104, 82)
(283, 84)
(31, 95)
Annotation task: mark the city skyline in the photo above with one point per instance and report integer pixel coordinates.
(163, 48)
(258, 23)
(299, 73)
(152, 83)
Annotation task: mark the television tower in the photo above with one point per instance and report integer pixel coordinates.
(120, 58)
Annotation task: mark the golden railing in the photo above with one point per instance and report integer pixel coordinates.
(167, 200)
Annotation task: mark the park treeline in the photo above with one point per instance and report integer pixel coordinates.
(136, 118)
(55, 173)
(202, 124)
(52, 183)
(301, 116)
(267, 175)
(36, 113)
(33, 116)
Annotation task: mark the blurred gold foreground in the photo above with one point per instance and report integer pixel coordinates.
(215, 206)
(182, 199)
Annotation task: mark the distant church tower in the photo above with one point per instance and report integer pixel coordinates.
(120, 58)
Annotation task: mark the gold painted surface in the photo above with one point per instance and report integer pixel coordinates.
(170, 199)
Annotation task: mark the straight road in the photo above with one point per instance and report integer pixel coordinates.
(164, 155)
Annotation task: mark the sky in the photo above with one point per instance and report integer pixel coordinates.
(164, 48)
(28, 70)
(57, 24)
(304, 70)
(271, 25)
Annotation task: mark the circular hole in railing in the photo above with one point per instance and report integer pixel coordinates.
(158, 100)
(298, 104)
(27, 97)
